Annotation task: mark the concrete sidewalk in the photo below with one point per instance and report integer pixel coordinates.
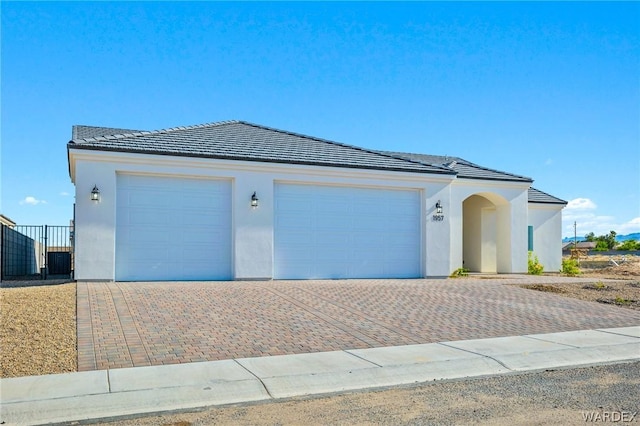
(121, 392)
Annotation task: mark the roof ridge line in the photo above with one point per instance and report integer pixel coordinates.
(462, 161)
(430, 155)
(398, 157)
(153, 132)
(469, 163)
(370, 151)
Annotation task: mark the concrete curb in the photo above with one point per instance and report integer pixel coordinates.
(121, 392)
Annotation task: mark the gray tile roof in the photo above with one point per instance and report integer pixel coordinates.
(537, 196)
(464, 168)
(239, 140)
(83, 132)
(469, 170)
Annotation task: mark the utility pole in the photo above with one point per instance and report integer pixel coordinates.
(575, 241)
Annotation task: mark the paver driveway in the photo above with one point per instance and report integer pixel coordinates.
(138, 324)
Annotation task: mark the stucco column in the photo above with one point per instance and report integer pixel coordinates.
(519, 237)
(438, 229)
(512, 235)
(95, 223)
(253, 227)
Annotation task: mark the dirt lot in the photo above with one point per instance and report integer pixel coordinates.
(624, 292)
(552, 397)
(38, 324)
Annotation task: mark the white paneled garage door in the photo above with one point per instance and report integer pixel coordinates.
(346, 232)
(172, 229)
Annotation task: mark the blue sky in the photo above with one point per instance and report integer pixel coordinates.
(546, 90)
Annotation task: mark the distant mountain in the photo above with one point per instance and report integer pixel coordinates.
(620, 238)
(571, 239)
(634, 236)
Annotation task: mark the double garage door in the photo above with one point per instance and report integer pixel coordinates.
(346, 232)
(181, 229)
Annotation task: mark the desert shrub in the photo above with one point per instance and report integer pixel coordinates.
(570, 267)
(534, 265)
(598, 285)
(629, 245)
(460, 272)
(544, 287)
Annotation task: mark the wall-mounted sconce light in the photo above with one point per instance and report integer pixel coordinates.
(438, 207)
(95, 194)
(254, 200)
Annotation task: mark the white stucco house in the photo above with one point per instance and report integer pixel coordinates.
(236, 200)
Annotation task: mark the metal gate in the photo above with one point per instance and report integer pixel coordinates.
(36, 252)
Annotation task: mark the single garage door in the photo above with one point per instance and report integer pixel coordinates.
(346, 232)
(172, 229)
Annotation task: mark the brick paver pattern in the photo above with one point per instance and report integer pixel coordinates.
(140, 324)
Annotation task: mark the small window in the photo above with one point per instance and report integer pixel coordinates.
(530, 238)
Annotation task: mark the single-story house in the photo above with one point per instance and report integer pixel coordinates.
(236, 200)
(581, 245)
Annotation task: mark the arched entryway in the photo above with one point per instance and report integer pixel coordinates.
(486, 233)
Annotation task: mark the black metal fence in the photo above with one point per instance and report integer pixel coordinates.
(36, 252)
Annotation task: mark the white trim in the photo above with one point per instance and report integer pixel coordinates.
(243, 165)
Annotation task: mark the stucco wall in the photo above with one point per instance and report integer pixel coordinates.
(546, 220)
(252, 236)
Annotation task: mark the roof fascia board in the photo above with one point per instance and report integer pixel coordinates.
(119, 157)
(542, 204)
(308, 163)
(529, 181)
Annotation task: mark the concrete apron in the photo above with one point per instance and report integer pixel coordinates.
(128, 391)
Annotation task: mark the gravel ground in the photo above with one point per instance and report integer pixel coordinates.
(625, 294)
(565, 397)
(38, 330)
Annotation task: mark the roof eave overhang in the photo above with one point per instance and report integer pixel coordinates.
(520, 180)
(550, 203)
(71, 168)
(71, 145)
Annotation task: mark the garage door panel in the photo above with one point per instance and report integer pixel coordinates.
(346, 232)
(364, 224)
(296, 257)
(136, 251)
(172, 228)
(336, 257)
(333, 240)
(147, 217)
(292, 220)
(332, 207)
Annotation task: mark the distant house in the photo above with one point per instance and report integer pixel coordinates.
(236, 200)
(582, 245)
(4, 220)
